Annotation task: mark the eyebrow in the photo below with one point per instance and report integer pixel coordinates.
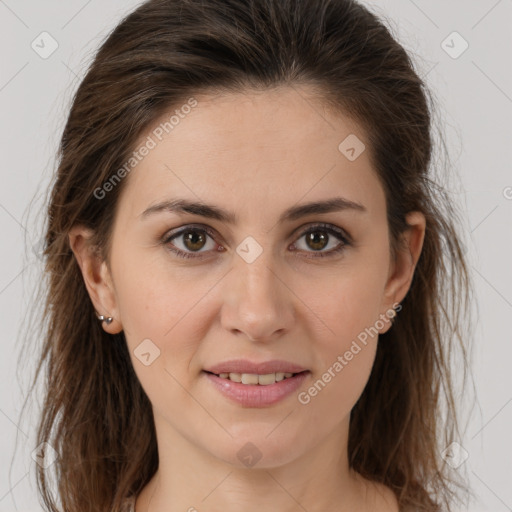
(215, 212)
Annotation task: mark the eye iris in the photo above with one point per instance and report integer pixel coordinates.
(317, 240)
(193, 237)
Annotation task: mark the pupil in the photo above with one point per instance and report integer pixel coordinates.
(317, 242)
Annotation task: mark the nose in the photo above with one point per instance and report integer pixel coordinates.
(257, 301)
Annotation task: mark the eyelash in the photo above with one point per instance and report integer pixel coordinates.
(328, 228)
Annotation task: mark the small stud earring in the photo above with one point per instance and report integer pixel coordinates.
(106, 319)
(393, 315)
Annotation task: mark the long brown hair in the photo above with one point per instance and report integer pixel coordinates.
(96, 415)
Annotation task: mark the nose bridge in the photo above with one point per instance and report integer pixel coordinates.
(256, 301)
(253, 264)
(256, 280)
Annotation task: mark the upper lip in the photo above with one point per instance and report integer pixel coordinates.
(263, 368)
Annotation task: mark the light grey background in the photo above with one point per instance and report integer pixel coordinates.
(475, 94)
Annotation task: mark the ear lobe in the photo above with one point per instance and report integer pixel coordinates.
(407, 256)
(96, 276)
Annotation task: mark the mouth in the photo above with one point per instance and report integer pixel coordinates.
(254, 379)
(279, 367)
(256, 385)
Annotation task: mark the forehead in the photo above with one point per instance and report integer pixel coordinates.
(248, 149)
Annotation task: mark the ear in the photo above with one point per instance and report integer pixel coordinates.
(96, 275)
(402, 268)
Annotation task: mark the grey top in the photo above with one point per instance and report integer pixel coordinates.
(129, 504)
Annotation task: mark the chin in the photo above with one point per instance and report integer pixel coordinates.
(257, 451)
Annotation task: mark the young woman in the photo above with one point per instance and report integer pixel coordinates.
(255, 284)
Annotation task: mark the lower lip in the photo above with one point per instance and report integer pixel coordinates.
(256, 395)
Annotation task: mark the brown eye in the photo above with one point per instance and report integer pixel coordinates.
(190, 242)
(320, 237)
(194, 240)
(317, 240)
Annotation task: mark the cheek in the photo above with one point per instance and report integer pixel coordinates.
(150, 298)
(349, 308)
(146, 311)
(346, 304)
(168, 308)
(333, 393)
(160, 317)
(346, 349)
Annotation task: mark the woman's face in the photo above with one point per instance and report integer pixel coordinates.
(261, 285)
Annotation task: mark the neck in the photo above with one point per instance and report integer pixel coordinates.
(192, 479)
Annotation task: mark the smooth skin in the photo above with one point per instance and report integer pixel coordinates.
(254, 154)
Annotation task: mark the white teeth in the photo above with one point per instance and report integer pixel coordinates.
(252, 378)
(249, 378)
(265, 380)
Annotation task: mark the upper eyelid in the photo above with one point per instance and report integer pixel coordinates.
(168, 236)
